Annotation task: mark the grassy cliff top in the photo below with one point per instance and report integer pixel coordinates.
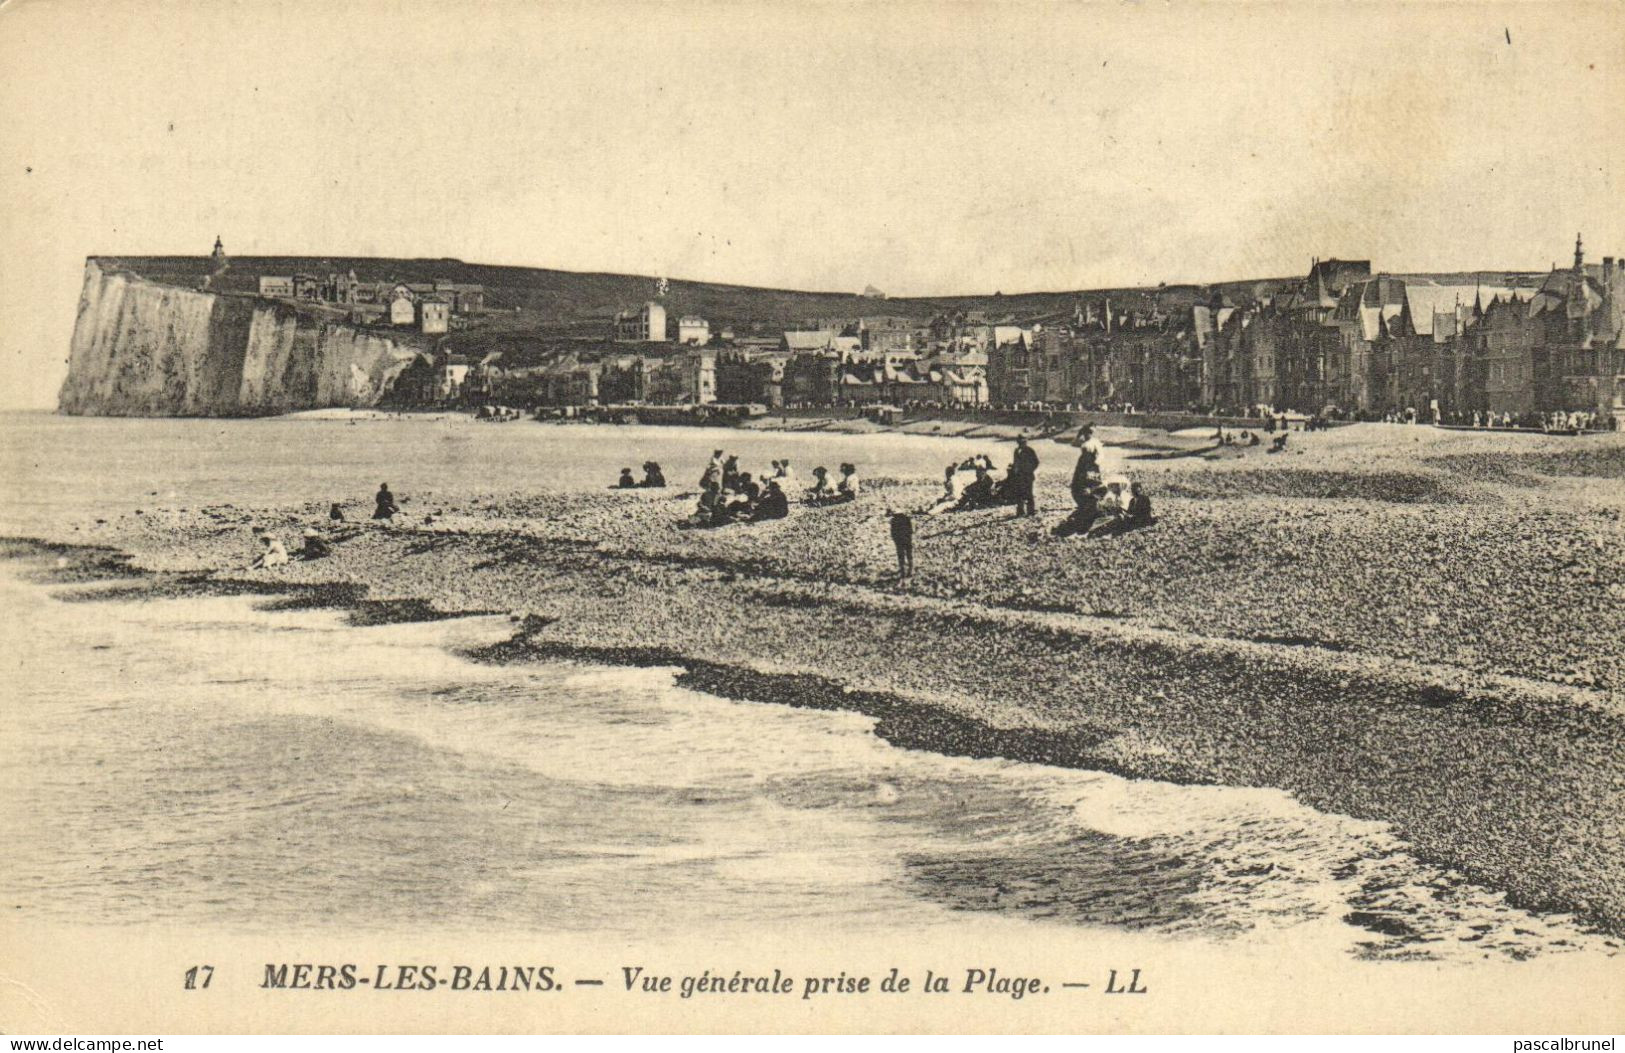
(564, 297)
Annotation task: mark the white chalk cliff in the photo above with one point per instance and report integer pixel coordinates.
(145, 349)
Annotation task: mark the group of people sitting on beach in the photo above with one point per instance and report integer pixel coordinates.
(730, 495)
(1250, 438)
(653, 478)
(313, 543)
(318, 544)
(1102, 506)
(971, 484)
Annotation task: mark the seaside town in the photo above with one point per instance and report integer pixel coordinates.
(1343, 343)
(1207, 534)
(855, 518)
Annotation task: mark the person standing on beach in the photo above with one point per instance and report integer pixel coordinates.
(713, 470)
(1023, 472)
(902, 538)
(1086, 475)
(385, 507)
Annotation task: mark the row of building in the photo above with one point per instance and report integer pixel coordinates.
(1358, 344)
(430, 307)
(1342, 341)
(648, 325)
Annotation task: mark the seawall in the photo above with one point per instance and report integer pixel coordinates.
(1044, 420)
(140, 348)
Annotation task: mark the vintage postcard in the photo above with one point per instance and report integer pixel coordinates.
(812, 517)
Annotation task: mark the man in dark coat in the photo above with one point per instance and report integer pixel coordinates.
(773, 505)
(1023, 470)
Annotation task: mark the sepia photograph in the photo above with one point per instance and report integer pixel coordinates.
(812, 518)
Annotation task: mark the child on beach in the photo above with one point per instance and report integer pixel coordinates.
(902, 538)
(1139, 507)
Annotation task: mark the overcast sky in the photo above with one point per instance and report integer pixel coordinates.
(924, 149)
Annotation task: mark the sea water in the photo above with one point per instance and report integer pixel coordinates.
(216, 760)
(76, 469)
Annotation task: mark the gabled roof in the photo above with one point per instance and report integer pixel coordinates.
(1375, 321)
(1321, 296)
(1009, 334)
(1333, 275)
(1425, 299)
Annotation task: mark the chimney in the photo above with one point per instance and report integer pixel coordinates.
(1607, 269)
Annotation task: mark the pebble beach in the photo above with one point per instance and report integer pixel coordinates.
(1416, 626)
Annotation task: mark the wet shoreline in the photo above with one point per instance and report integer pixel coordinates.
(1452, 762)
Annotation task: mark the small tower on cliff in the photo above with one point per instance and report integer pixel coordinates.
(218, 264)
